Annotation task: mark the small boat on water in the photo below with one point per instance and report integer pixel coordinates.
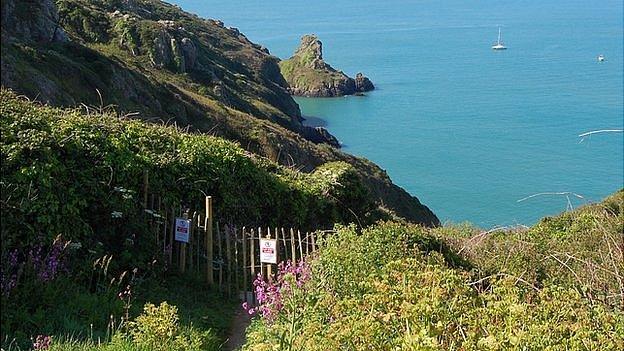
(600, 58)
(499, 45)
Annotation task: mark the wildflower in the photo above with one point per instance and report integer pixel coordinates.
(270, 295)
(42, 342)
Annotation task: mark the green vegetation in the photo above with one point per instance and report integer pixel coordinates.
(82, 270)
(308, 79)
(71, 187)
(394, 286)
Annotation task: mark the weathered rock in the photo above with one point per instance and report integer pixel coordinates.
(189, 52)
(362, 83)
(178, 56)
(161, 55)
(33, 20)
(320, 135)
(307, 74)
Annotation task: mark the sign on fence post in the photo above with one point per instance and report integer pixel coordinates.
(182, 227)
(268, 250)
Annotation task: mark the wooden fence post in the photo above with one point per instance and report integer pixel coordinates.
(284, 241)
(145, 188)
(208, 241)
(227, 232)
(219, 238)
(197, 243)
(182, 255)
(307, 242)
(236, 262)
(164, 231)
(313, 243)
(270, 266)
(252, 256)
(300, 243)
(244, 243)
(157, 231)
(292, 246)
(262, 273)
(171, 232)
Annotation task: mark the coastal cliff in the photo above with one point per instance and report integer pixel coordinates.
(308, 74)
(152, 61)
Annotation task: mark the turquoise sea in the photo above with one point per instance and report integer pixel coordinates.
(467, 130)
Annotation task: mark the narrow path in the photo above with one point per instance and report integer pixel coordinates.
(236, 338)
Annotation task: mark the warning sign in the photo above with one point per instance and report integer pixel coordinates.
(182, 227)
(268, 250)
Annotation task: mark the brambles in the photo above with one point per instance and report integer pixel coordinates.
(397, 287)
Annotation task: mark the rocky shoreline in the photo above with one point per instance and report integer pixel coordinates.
(307, 74)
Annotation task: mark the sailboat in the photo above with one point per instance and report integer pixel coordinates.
(499, 45)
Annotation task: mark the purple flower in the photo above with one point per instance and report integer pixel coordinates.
(270, 295)
(42, 342)
(8, 276)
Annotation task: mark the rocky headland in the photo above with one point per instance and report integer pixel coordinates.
(307, 74)
(150, 60)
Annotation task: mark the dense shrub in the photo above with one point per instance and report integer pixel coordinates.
(396, 287)
(79, 174)
(583, 249)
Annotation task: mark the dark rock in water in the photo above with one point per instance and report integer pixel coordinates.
(35, 20)
(320, 135)
(308, 74)
(362, 83)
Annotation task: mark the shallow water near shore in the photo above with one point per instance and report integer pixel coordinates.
(467, 130)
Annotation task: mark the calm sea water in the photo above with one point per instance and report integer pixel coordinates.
(467, 130)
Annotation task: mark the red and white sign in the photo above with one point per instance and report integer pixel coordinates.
(182, 228)
(268, 250)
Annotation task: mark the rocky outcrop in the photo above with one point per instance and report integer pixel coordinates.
(362, 83)
(320, 135)
(32, 21)
(189, 53)
(308, 74)
(161, 53)
(174, 54)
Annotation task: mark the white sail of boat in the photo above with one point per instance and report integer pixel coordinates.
(499, 45)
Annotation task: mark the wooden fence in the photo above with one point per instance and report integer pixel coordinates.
(227, 256)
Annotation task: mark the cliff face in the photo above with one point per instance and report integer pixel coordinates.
(308, 74)
(32, 20)
(158, 63)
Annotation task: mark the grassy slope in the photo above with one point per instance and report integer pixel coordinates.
(304, 78)
(557, 285)
(65, 171)
(235, 90)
